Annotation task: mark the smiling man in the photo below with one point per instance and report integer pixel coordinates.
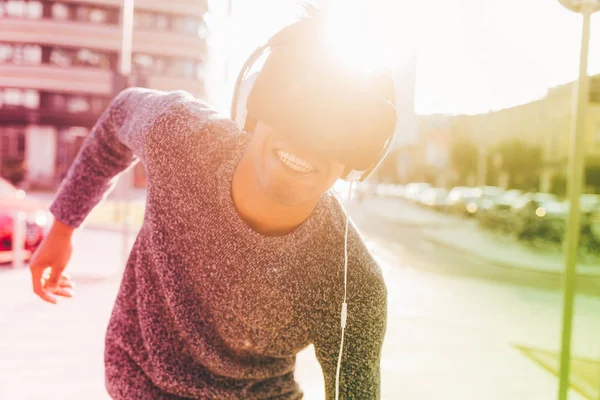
(241, 260)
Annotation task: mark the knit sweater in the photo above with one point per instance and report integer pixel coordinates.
(208, 308)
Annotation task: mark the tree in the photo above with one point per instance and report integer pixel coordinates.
(522, 162)
(14, 170)
(463, 158)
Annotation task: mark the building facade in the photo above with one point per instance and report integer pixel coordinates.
(58, 63)
(545, 123)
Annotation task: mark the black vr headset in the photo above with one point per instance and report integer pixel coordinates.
(317, 104)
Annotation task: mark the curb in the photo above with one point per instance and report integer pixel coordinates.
(412, 224)
(505, 264)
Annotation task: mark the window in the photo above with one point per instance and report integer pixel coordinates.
(186, 25)
(182, 68)
(87, 57)
(60, 11)
(162, 22)
(61, 57)
(98, 16)
(21, 9)
(78, 104)
(13, 97)
(10, 97)
(89, 14)
(34, 10)
(20, 54)
(31, 99)
(5, 52)
(144, 20)
(32, 54)
(16, 8)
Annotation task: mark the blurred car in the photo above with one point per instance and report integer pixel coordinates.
(388, 190)
(497, 212)
(543, 218)
(464, 200)
(436, 198)
(533, 201)
(589, 202)
(538, 216)
(37, 218)
(413, 190)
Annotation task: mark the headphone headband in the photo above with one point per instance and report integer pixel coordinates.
(302, 35)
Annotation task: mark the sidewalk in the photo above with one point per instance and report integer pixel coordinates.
(56, 352)
(465, 236)
(502, 251)
(401, 211)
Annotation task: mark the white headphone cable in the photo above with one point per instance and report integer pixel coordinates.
(344, 304)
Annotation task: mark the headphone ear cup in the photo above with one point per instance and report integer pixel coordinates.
(241, 106)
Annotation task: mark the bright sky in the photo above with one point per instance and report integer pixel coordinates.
(473, 55)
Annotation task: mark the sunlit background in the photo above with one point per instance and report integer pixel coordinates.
(466, 215)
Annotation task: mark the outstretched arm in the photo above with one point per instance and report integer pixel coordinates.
(118, 140)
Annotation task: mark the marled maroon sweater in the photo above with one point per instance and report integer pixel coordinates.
(208, 308)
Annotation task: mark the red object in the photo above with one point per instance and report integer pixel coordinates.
(12, 200)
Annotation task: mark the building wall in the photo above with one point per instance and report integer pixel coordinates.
(58, 61)
(545, 122)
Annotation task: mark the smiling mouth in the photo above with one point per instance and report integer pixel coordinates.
(295, 163)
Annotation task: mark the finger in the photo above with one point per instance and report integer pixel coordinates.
(66, 284)
(38, 281)
(55, 275)
(36, 278)
(64, 292)
(44, 295)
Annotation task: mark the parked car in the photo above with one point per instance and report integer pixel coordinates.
(589, 202)
(464, 200)
(436, 198)
(541, 218)
(497, 212)
(413, 190)
(37, 218)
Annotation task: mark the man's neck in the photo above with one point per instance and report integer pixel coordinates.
(260, 212)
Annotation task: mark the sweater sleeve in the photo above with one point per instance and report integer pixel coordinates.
(115, 143)
(363, 337)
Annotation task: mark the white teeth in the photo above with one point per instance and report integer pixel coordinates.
(294, 162)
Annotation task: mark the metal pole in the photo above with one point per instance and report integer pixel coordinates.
(576, 162)
(18, 239)
(127, 15)
(482, 164)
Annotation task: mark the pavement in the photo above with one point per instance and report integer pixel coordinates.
(466, 237)
(449, 336)
(439, 343)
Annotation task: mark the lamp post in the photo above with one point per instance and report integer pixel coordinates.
(575, 177)
(123, 79)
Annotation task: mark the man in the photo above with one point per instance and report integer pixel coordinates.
(239, 263)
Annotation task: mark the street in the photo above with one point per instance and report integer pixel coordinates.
(455, 325)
